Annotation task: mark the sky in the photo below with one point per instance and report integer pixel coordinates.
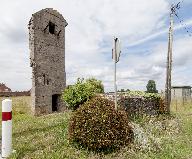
(141, 25)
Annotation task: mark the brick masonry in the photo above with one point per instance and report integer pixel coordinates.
(47, 59)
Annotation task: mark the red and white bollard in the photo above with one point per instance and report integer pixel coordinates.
(6, 148)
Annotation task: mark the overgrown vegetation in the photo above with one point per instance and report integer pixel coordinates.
(83, 90)
(142, 94)
(46, 137)
(96, 125)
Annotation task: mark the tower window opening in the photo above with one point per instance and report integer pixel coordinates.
(51, 28)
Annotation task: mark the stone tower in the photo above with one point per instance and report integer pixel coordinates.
(47, 59)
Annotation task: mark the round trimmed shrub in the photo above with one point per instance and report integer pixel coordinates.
(96, 125)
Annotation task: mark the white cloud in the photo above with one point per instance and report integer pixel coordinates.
(135, 70)
(161, 32)
(92, 24)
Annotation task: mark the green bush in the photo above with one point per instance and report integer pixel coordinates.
(97, 84)
(79, 93)
(96, 125)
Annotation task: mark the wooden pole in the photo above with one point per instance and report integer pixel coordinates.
(169, 66)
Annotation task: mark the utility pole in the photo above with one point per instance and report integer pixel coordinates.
(169, 63)
(115, 56)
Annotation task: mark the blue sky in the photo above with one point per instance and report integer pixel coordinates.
(142, 26)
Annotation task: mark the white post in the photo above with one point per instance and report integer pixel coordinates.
(6, 148)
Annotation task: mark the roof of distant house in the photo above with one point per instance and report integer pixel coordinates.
(4, 88)
(187, 87)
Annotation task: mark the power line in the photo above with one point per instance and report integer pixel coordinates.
(174, 10)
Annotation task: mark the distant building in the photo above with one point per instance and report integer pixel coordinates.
(4, 88)
(182, 93)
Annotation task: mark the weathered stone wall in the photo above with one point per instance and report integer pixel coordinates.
(47, 59)
(137, 105)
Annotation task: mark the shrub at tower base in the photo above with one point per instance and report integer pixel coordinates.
(96, 125)
(81, 91)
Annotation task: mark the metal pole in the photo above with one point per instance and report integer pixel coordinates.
(115, 84)
(115, 56)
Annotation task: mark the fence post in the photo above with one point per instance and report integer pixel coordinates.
(6, 148)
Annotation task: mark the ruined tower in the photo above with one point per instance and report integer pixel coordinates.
(47, 59)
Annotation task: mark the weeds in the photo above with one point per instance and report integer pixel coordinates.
(162, 137)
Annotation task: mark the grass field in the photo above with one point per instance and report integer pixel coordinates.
(46, 136)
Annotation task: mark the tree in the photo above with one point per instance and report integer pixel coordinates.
(123, 90)
(127, 90)
(151, 87)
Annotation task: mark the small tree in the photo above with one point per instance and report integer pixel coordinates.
(151, 87)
